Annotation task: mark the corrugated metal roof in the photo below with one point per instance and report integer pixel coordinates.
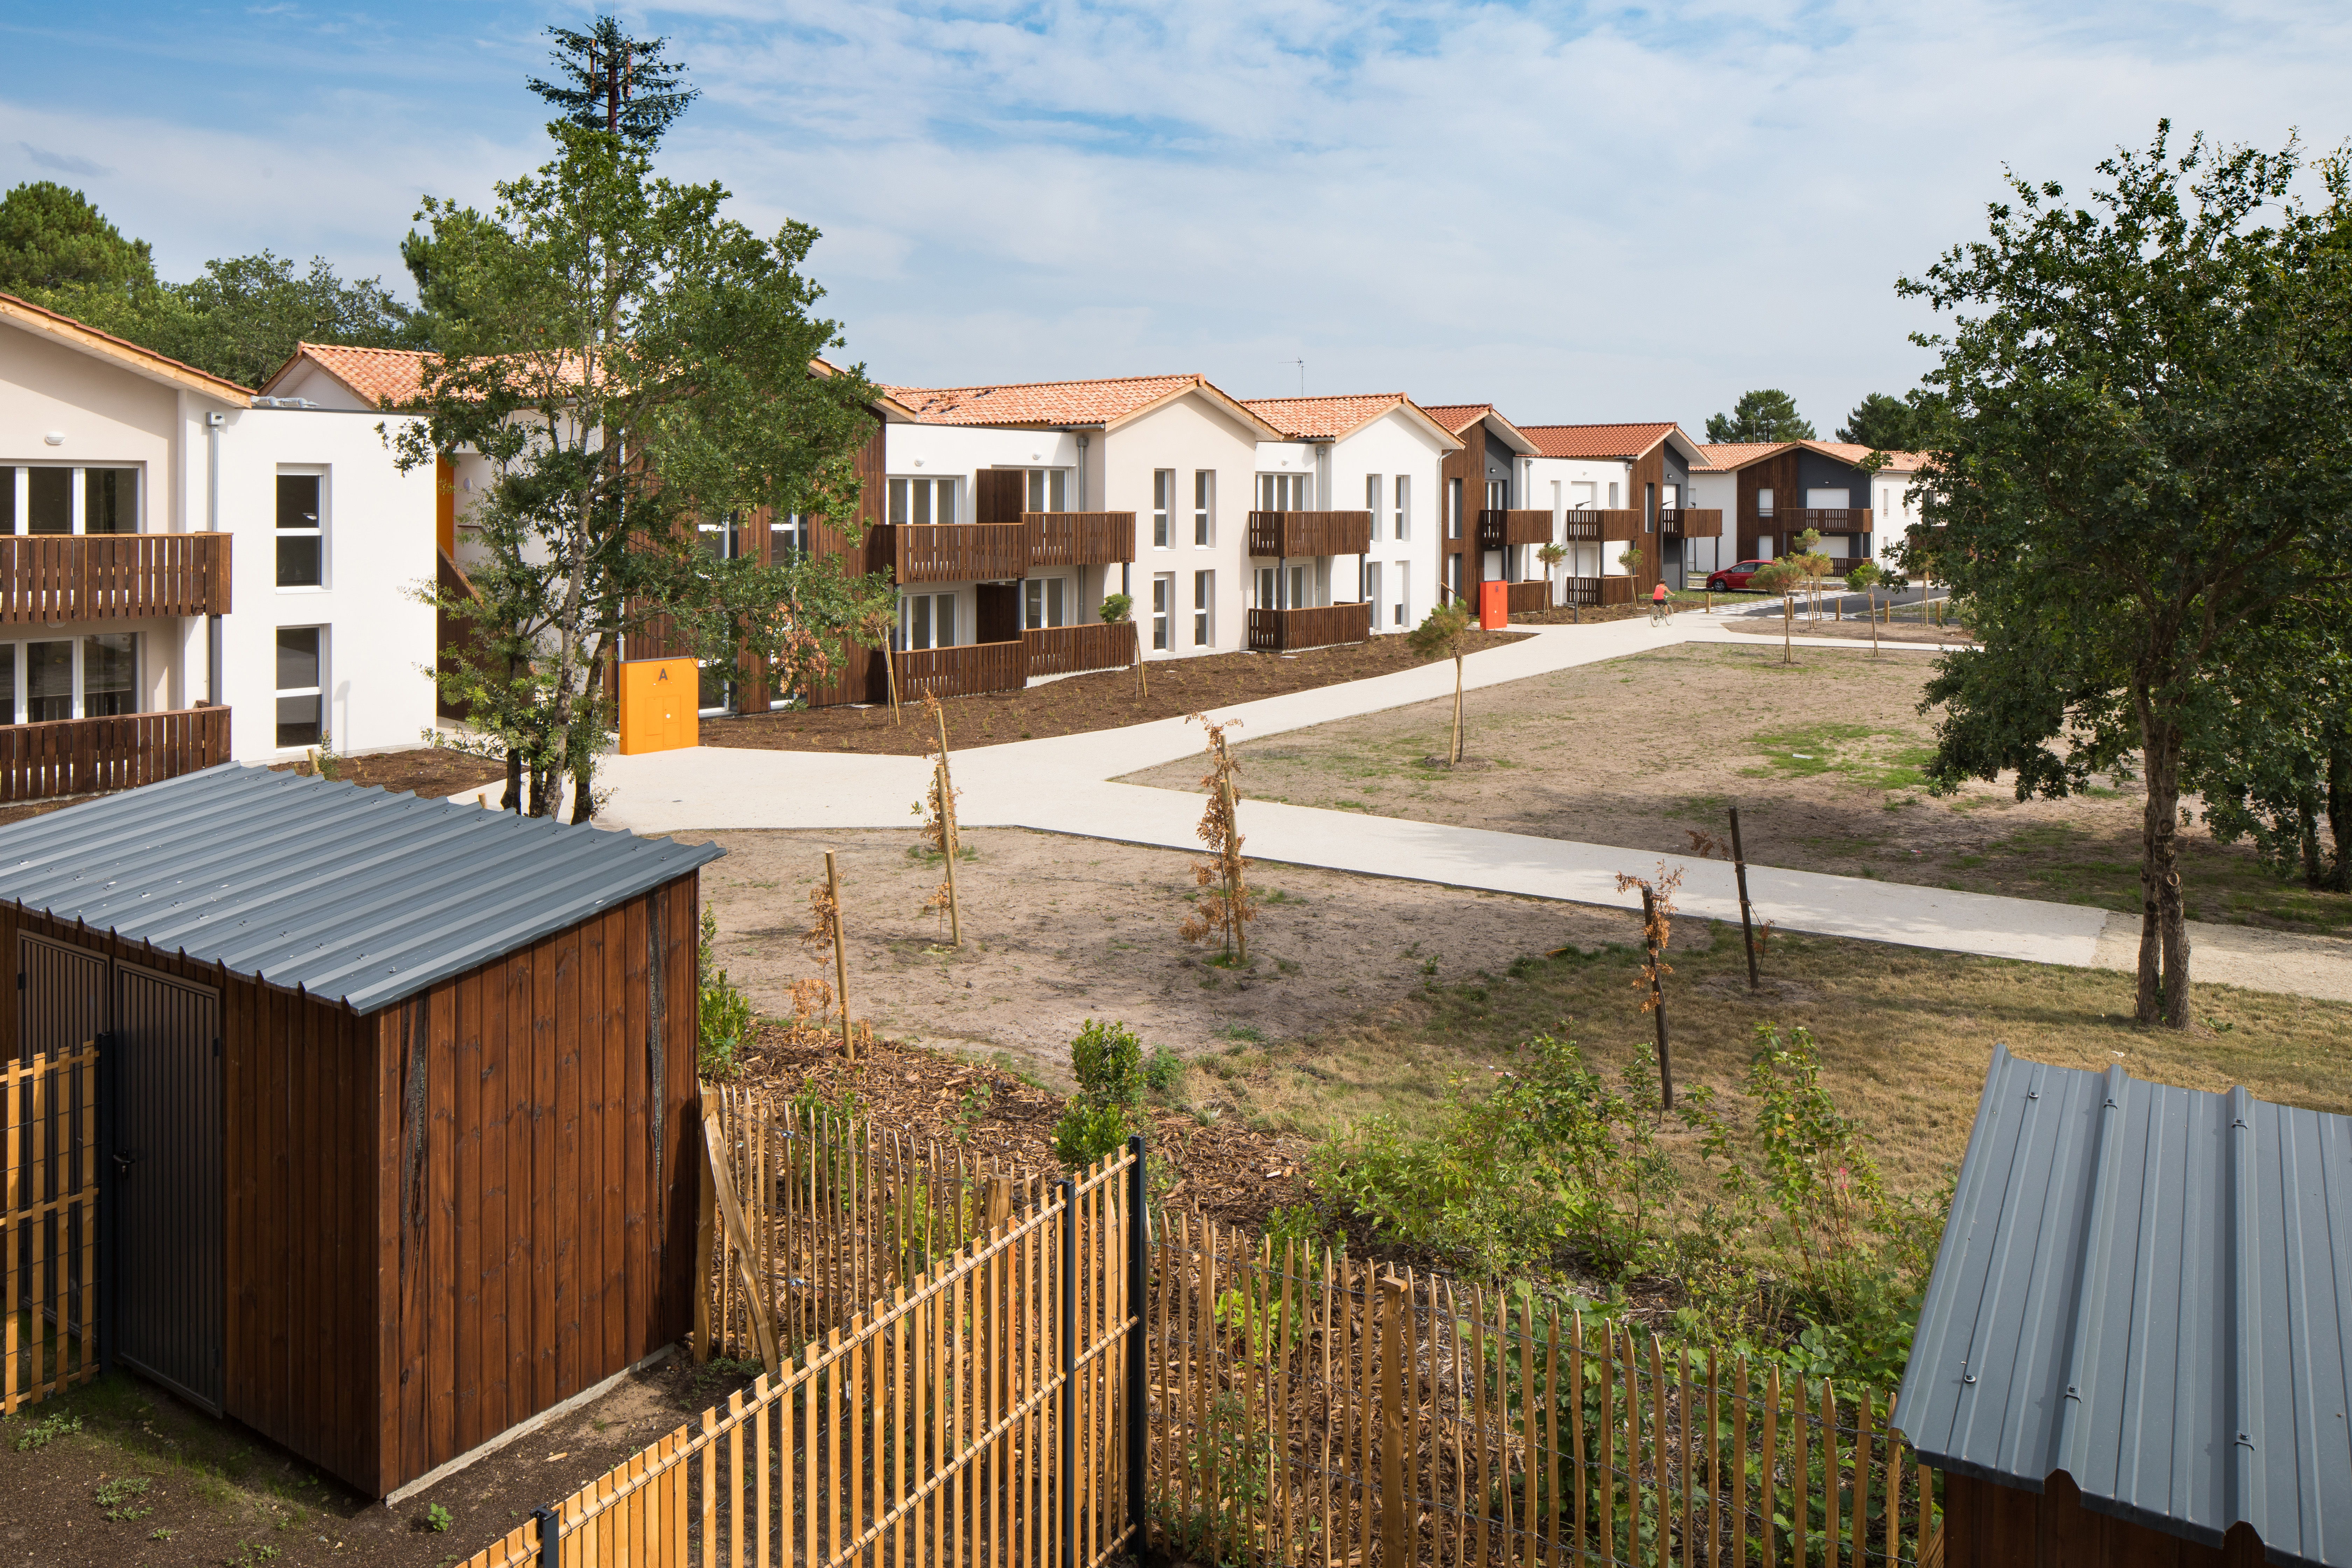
(2150, 1288)
(355, 895)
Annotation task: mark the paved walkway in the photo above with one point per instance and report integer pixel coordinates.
(1063, 785)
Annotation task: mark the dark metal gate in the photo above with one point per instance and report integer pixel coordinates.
(60, 997)
(164, 1081)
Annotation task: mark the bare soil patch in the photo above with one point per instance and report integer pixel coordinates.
(1059, 930)
(1851, 631)
(429, 771)
(1076, 704)
(1822, 756)
(216, 1492)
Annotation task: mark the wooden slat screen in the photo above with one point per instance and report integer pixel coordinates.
(1526, 597)
(1283, 631)
(1280, 533)
(962, 552)
(963, 671)
(1066, 650)
(1827, 520)
(1080, 538)
(1593, 593)
(78, 577)
(1692, 522)
(84, 756)
(1502, 529)
(48, 1224)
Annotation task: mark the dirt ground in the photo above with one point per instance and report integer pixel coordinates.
(1822, 757)
(1060, 930)
(216, 1493)
(1851, 631)
(1076, 704)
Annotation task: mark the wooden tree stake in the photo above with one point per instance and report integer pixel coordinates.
(1657, 997)
(948, 840)
(840, 955)
(1746, 920)
(1787, 613)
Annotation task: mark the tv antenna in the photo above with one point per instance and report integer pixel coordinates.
(1302, 376)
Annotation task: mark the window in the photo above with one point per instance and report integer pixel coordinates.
(1282, 493)
(1049, 490)
(1371, 591)
(1204, 599)
(922, 503)
(792, 535)
(109, 500)
(1612, 495)
(1046, 602)
(928, 620)
(1204, 508)
(1163, 499)
(50, 501)
(301, 541)
(1163, 592)
(1403, 506)
(1498, 494)
(1649, 508)
(1372, 501)
(1763, 502)
(1265, 595)
(714, 688)
(1299, 596)
(1403, 594)
(1454, 509)
(301, 685)
(724, 540)
(68, 501)
(1454, 577)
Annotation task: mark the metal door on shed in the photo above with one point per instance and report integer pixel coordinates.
(168, 1116)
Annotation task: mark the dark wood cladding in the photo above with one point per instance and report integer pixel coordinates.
(82, 756)
(1285, 631)
(1987, 1525)
(445, 1217)
(1467, 469)
(1066, 650)
(1530, 596)
(960, 551)
(1778, 474)
(61, 577)
(1592, 593)
(1505, 530)
(536, 1139)
(1080, 538)
(964, 671)
(1295, 533)
(1692, 522)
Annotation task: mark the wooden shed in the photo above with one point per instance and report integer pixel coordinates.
(2137, 1346)
(396, 1099)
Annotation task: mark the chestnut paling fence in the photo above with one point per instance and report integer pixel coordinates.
(48, 1224)
(1038, 1376)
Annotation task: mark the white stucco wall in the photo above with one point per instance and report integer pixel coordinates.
(379, 528)
(1189, 434)
(1391, 445)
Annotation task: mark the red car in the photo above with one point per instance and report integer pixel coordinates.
(1734, 577)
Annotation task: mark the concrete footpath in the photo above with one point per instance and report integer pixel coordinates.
(1063, 785)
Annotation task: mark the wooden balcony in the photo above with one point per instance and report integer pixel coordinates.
(1593, 593)
(1502, 529)
(1080, 538)
(1287, 631)
(1066, 650)
(1692, 522)
(85, 756)
(963, 671)
(1825, 519)
(1284, 533)
(960, 551)
(1581, 528)
(59, 577)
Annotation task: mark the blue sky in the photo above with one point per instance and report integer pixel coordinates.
(1578, 212)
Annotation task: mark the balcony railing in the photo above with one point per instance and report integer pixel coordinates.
(963, 671)
(56, 577)
(1502, 529)
(1592, 593)
(962, 552)
(1080, 538)
(1825, 519)
(1066, 650)
(1287, 631)
(1692, 522)
(84, 756)
(1527, 598)
(1276, 533)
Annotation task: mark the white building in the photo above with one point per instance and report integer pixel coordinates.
(172, 550)
(1637, 480)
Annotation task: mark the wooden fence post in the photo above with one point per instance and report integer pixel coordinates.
(840, 955)
(1065, 1433)
(1139, 1286)
(948, 838)
(1396, 1509)
(1657, 996)
(1747, 919)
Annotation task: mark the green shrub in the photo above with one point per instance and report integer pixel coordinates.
(48, 1430)
(1163, 1070)
(1116, 608)
(1087, 1132)
(726, 1011)
(1107, 1059)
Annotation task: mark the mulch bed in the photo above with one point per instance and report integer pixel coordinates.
(427, 771)
(1076, 704)
(1226, 1171)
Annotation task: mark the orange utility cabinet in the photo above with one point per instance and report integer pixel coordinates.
(661, 700)
(1494, 605)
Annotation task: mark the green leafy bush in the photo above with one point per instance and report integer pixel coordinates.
(726, 1011)
(1116, 608)
(1107, 1060)
(1163, 1070)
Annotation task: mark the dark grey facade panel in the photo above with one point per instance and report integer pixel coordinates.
(355, 895)
(2148, 1288)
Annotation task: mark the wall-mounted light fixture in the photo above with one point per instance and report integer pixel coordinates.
(55, 438)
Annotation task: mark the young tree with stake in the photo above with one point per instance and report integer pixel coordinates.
(1445, 633)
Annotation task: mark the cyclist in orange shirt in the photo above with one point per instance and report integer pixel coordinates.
(1658, 605)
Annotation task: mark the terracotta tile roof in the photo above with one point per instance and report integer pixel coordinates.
(1596, 440)
(1457, 416)
(147, 361)
(1740, 454)
(1329, 417)
(1723, 455)
(1104, 402)
(378, 376)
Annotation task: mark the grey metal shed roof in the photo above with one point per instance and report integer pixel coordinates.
(355, 895)
(2150, 1288)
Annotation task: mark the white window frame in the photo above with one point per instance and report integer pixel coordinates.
(1204, 509)
(20, 495)
(1265, 588)
(1404, 593)
(326, 648)
(1163, 606)
(1372, 502)
(301, 471)
(1371, 590)
(1164, 507)
(1612, 495)
(1763, 500)
(1042, 608)
(1204, 609)
(895, 495)
(1048, 490)
(931, 612)
(1404, 508)
(1285, 492)
(1453, 498)
(18, 657)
